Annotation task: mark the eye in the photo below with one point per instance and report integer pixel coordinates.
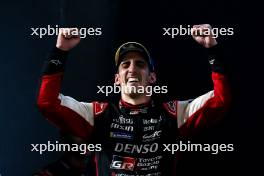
(125, 64)
(141, 63)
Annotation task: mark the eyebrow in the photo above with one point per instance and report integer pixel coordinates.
(136, 59)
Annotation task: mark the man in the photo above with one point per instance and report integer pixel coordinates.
(133, 132)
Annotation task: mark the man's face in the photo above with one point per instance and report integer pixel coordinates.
(134, 71)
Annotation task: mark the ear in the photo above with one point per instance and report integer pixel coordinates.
(117, 79)
(152, 78)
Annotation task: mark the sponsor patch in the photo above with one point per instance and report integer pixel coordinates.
(138, 111)
(122, 127)
(99, 107)
(149, 137)
(121, 135)
(171, 107)
(122, 120)
(124, 163)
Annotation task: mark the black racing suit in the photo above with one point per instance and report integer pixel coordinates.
(132, 137)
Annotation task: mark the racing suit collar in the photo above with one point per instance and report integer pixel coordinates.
(135, 109)
(130, 106)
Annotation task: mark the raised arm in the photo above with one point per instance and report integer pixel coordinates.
(212, 106)
(64, 111)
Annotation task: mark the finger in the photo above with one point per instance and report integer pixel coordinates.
(69, 32)
(202, 30)
(197, 31)
(202, 26)
(74, 32)
(206, 26)
(206, 29)
(196, 26)
(200, 40)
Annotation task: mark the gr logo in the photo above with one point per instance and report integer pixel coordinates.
(124, 163)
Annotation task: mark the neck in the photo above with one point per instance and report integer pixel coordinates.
(135, 99)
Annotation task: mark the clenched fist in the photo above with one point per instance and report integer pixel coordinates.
(68, 38)
(203, 35)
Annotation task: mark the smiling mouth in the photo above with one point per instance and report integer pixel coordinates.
(132, 80)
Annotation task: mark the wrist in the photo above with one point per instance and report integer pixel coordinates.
(56, 61)
(211, 44)
(60, 47)
(215, 58)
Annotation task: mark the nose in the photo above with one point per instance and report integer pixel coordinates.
(132, 67)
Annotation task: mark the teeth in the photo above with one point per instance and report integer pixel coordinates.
(133, 80)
